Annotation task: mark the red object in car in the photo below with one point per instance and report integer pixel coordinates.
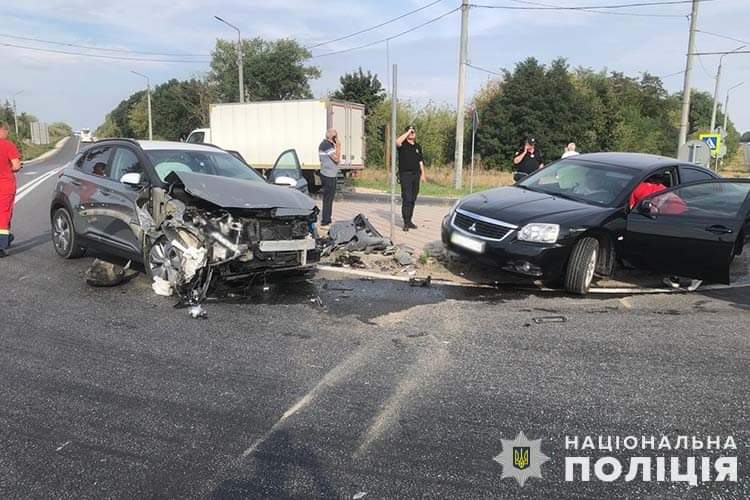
(644, 189)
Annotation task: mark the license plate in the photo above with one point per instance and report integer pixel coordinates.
(467, 243)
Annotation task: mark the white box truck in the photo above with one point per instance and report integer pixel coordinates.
(260, 131)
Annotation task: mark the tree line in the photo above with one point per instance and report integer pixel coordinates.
(57, 130)
(598, 110)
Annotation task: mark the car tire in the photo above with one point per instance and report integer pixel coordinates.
(582, 266)
(155, 253)
(64, 236)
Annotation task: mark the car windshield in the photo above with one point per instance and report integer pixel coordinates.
(201, 162)
(580, 181)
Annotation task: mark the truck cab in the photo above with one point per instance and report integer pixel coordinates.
(200, 136)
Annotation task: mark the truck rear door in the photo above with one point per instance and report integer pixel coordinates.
(348, 120)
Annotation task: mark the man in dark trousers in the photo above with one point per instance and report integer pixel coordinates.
(410, 172)
(10, 164)
(527, 160)
(329, 153)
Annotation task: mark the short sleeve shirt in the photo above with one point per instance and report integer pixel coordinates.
(8, 152)
(530, 162)
(328, 167)
(409, 157)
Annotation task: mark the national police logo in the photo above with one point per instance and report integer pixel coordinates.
(521, 458)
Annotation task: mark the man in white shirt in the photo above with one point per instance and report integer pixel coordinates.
(570, 150)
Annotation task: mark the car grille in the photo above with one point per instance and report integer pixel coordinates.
(290, 230)
(480, 228)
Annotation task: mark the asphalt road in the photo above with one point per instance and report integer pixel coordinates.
(384, 389)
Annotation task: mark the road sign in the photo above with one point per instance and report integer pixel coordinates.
(713, 141)
(695, 152)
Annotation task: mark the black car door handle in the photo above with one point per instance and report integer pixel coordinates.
(717, 229)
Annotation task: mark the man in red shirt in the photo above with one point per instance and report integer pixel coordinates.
(10, 163)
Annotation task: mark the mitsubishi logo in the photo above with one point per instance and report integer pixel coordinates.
(473, 228)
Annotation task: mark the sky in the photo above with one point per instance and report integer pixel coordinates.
(81, 90)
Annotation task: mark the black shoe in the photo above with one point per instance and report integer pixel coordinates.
(324, 224)
(411, 225)
(406, 228)
(3, 253)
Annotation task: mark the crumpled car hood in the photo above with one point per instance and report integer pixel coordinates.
(239, 193)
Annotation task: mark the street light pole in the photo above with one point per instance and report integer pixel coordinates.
(685, 116)
(15, 112)
(239, 58)
(462, 60)
(726, 103)
(716, 89)
(148, 100)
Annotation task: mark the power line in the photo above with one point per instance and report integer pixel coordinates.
(484, 69)
(603, 11)
(671, 74)
(99, 56)
(700, 60)
(721, 53)
(588, 7)
(723, 36)
(101, 49)
(388, 39)
(384, 23)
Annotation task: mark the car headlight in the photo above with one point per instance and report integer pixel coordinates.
(539, 233)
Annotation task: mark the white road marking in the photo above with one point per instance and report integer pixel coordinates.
(27, 188)
(63, 446)
(30, 173)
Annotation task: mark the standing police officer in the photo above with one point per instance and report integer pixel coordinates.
(410, 172)
(10, 163)
(527, 159)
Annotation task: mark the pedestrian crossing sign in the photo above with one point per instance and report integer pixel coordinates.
(713, 141)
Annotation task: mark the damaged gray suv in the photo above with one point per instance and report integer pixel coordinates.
(192, 214)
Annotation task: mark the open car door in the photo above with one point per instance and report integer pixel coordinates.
(287, 171)
(693, 230)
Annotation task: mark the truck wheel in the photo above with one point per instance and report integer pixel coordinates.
(64, 237)
(582, 265)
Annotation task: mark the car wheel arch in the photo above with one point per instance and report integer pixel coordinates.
(606, 257)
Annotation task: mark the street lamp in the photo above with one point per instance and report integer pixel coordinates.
(15, 113)
(726, 104)
(716, 89)
(239, 57)
(148, 100)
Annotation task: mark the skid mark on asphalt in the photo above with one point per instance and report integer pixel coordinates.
(334, 376)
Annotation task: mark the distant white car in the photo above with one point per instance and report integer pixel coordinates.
(86, 135)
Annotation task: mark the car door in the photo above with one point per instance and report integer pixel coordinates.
(287, 171)
(86, 182)
(118, 207)
(691, 230)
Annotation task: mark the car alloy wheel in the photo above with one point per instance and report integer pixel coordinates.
(591, 268)
(61, 233)
(163, 260)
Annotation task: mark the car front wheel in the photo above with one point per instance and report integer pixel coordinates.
(64, 237)
(582, 266)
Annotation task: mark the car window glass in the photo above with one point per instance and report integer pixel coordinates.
(581, 181)
(124, 162)
(664, 177)
(217, 163)
(95, 161)
(287, 165)
(711, 199)
(688, 174)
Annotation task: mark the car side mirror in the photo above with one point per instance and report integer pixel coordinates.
(132, 179)
(647, 208)
(283, 180)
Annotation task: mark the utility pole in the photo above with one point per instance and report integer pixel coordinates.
(239, 57)
(394, 126)
(148, 100)
(462, 60)
(684, 119)
(726, 104)
(15, 111)
(716, 89)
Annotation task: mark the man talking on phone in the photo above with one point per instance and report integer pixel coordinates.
(527, 160)
(329, 153)
(410, 172)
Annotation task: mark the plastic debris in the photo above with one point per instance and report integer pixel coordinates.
(161, 287)
(105, 274)
(549, 319)
(424, 283)
(357, 234)
(198, 312)
(359, 495)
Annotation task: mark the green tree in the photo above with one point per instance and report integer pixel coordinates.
(364, 88)
(273, 70)
(58, 130)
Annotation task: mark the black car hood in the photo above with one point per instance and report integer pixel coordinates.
(226, 192)
(520, 206)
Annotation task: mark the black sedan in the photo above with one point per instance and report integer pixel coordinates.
(581, 216)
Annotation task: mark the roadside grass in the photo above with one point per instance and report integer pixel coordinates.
(31, 151)
(439, 181)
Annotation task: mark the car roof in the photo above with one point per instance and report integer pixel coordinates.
(641, 161)
(181, 146)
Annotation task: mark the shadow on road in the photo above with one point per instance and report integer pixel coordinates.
(27, 245)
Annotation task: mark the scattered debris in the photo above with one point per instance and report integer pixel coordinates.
(345, 258)
(161, 287)
(105, 274)
(66, 443)
(197, 311)
(359, 495)
(356, 234)
(549, 319)
(425, 283)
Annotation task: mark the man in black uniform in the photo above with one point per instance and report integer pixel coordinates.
(410, 172)
(527, 160)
